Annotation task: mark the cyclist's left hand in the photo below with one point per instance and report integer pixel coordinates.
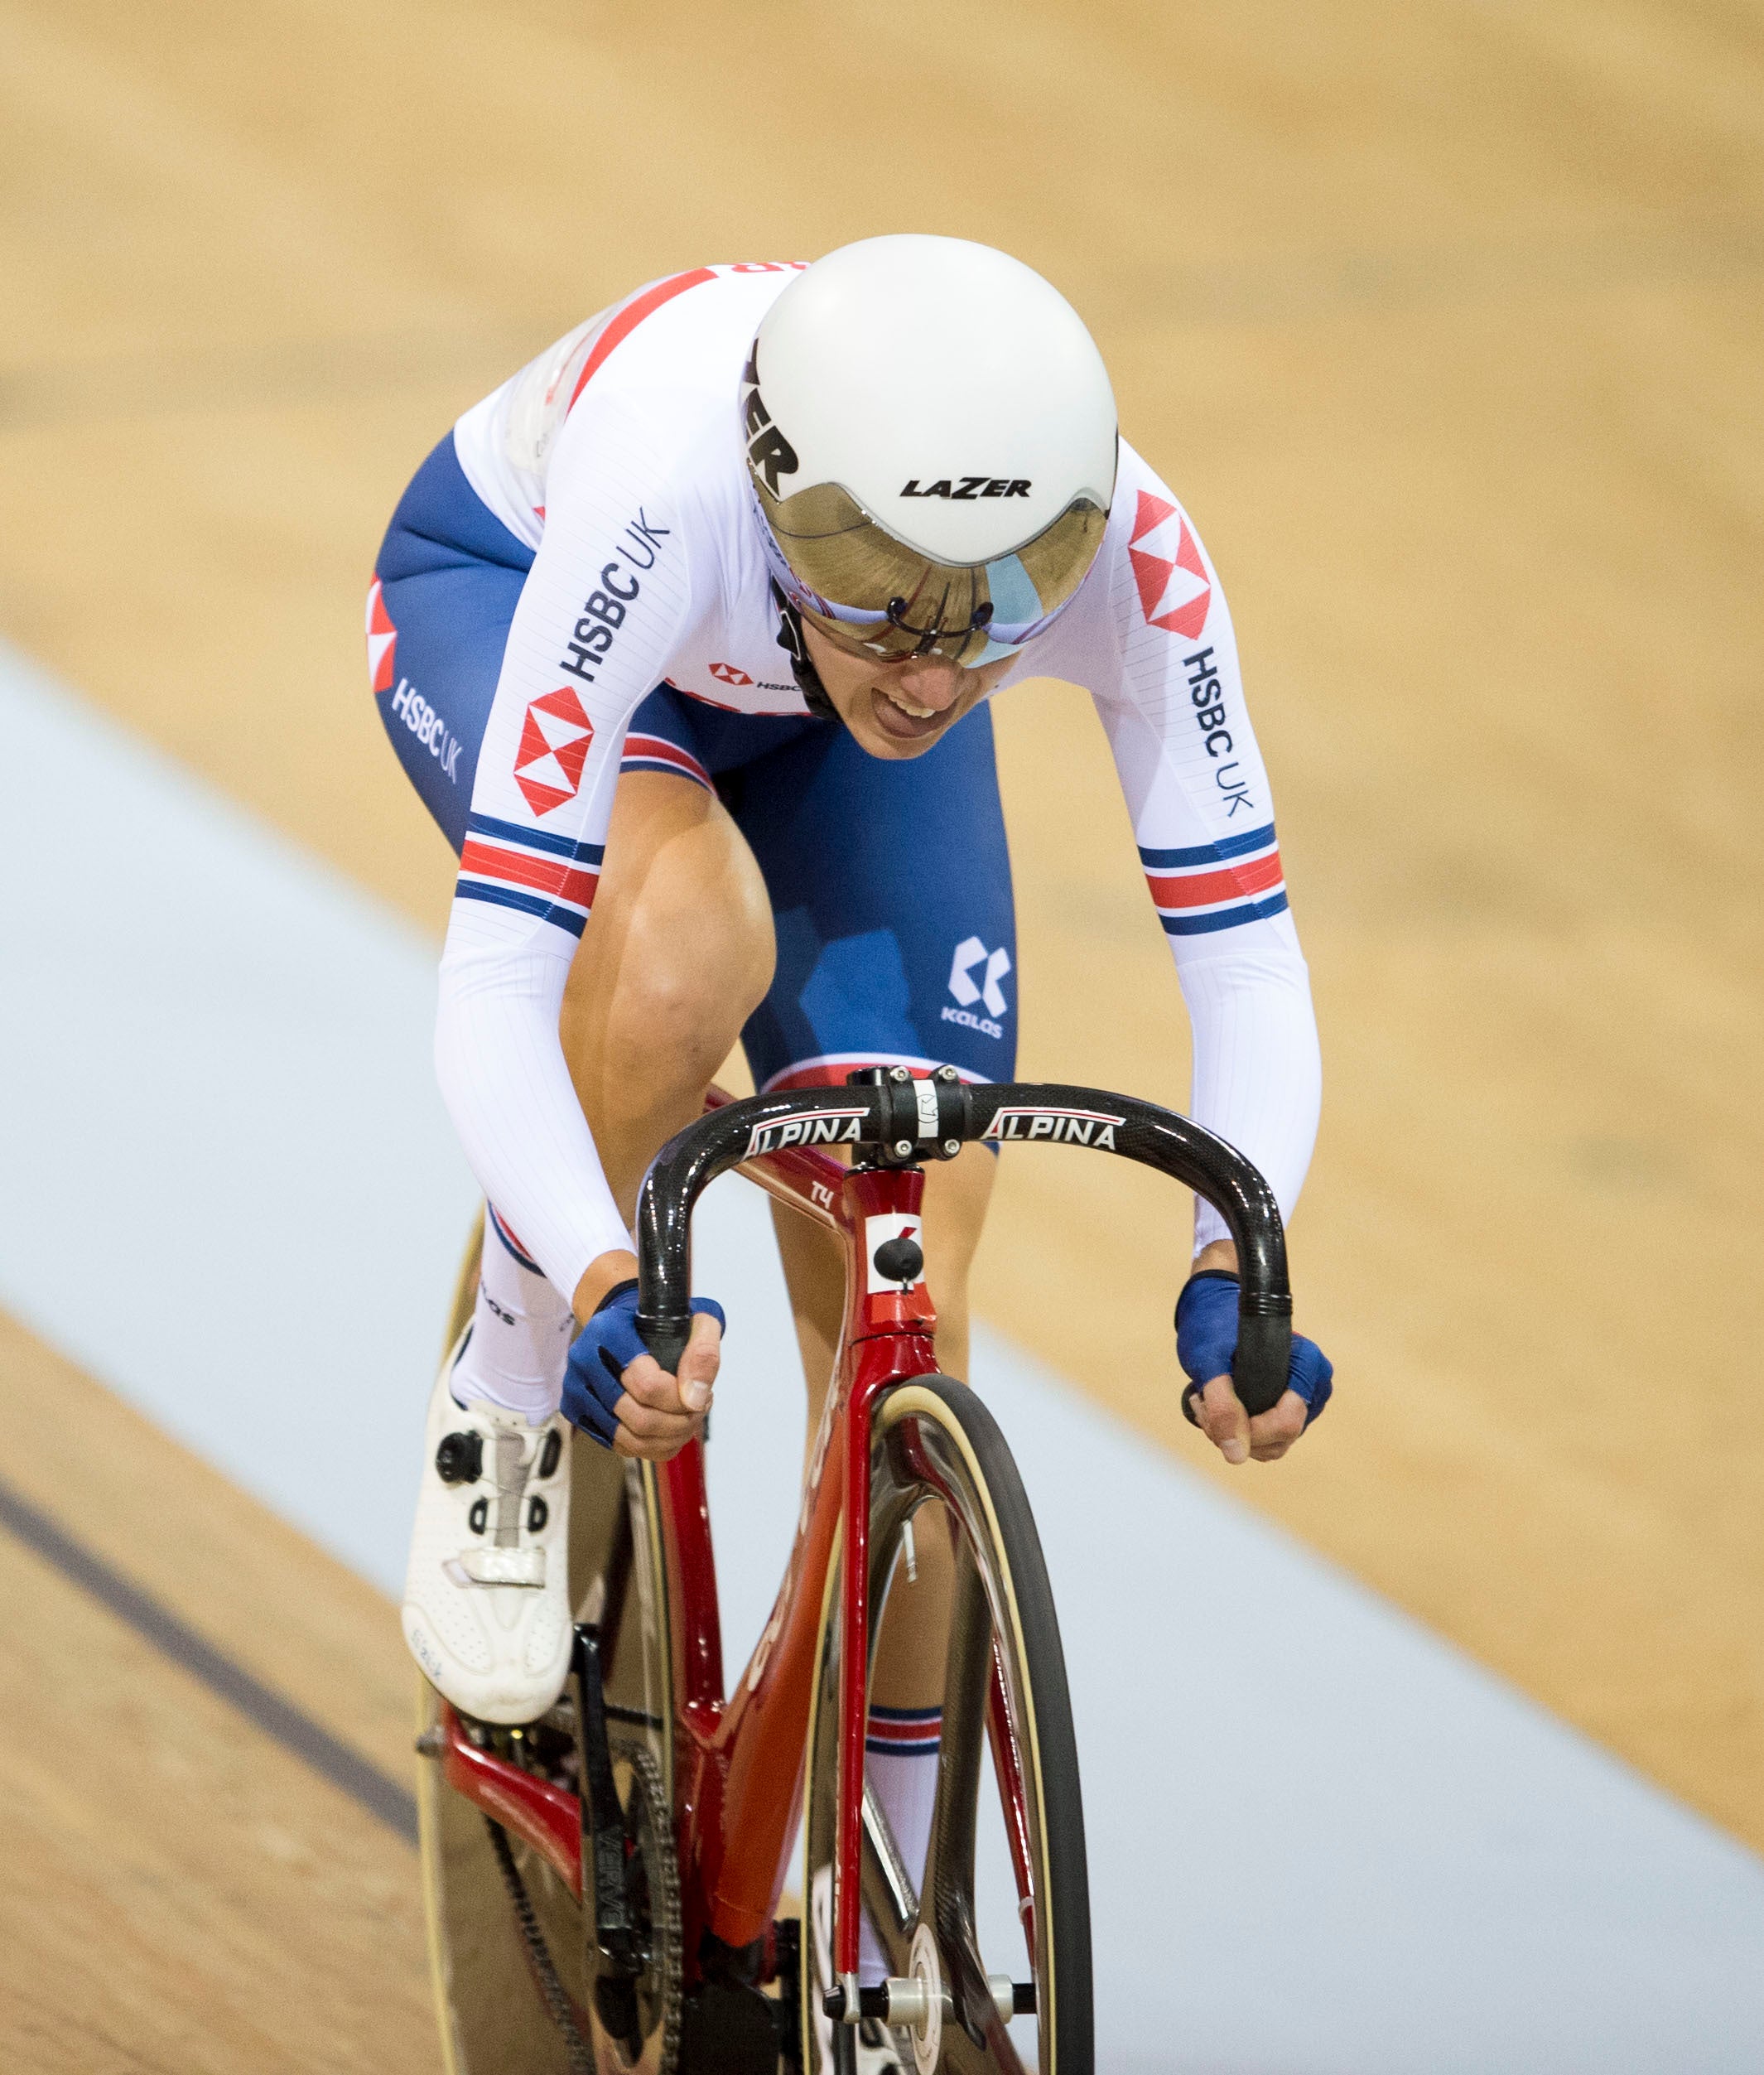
(1207, 1344)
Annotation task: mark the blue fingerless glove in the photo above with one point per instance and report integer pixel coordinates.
(1207, 1344)
(599, 1355)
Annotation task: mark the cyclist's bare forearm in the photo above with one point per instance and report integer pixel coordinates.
(1220, 1254)
(606, 1271)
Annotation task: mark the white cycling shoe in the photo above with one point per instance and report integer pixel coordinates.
(487, 1596)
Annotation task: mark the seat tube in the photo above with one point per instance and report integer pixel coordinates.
(888, 1336)
(854, 1667)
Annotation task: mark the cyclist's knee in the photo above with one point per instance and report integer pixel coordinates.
(957, 1193)
(699, 948)
(672, 1022)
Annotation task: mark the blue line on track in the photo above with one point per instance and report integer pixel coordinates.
(366, 1785)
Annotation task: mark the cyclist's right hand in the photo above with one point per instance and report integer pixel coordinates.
(614, 1389)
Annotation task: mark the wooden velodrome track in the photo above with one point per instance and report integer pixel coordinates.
(1445, 323)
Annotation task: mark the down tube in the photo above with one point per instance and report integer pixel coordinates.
(740, 1812)
(744, 1845)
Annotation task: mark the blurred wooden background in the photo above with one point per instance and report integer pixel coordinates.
(1444, 322)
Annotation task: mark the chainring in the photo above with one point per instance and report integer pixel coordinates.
(635, 2025)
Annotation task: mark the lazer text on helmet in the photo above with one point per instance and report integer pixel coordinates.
(768, 453)
(973, 487)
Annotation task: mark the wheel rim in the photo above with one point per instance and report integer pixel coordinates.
(925, 1464)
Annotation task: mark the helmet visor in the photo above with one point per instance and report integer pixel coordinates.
(845, 572)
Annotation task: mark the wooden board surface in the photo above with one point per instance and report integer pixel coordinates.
(182, 1893)
(1445, 323)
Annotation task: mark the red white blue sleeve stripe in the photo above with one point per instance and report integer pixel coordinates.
(1216, 885)
(656, 753)
(551, 876)
(505, 1234)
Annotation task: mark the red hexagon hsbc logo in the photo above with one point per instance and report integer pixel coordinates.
(556, 738)
(727, 673)
(383, 640)
(1175, 591)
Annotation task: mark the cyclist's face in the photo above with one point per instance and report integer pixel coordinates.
(898, 709)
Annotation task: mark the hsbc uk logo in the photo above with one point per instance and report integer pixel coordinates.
(408, 705)
(556, 738)
(972, 956)
(727, 673)
(1175, 591)
(605, 611)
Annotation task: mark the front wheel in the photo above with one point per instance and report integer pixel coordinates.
(968, 1999)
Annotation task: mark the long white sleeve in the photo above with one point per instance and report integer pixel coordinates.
(1151, 638)
(608, 596)
(1258, 1073)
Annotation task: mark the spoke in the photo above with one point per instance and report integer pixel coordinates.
(976, 2040)
(949, 1859)
(997, 2056)
(889, 1900)
(1007, 1769)
(973, 2038)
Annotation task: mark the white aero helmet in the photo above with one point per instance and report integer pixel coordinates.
(931, 440)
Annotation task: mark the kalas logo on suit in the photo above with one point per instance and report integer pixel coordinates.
(1175, 592)
(727, 673)
(556, 738)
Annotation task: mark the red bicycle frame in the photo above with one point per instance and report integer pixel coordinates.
(739, 1758)
(738, 1761)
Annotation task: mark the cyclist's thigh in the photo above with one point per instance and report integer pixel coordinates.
(445, 584)
(681, 906)
(678, 948)
(677, 952)
(891, 900)
(680, 899)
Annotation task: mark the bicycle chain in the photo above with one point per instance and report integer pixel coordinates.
(553, 1993)
(665, 1930)
(666, 1935)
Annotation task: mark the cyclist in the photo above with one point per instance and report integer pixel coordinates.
(685, 635)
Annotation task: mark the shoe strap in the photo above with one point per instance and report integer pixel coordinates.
(501, 1566)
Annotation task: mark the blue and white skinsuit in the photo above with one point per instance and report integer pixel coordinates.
(573, 586)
